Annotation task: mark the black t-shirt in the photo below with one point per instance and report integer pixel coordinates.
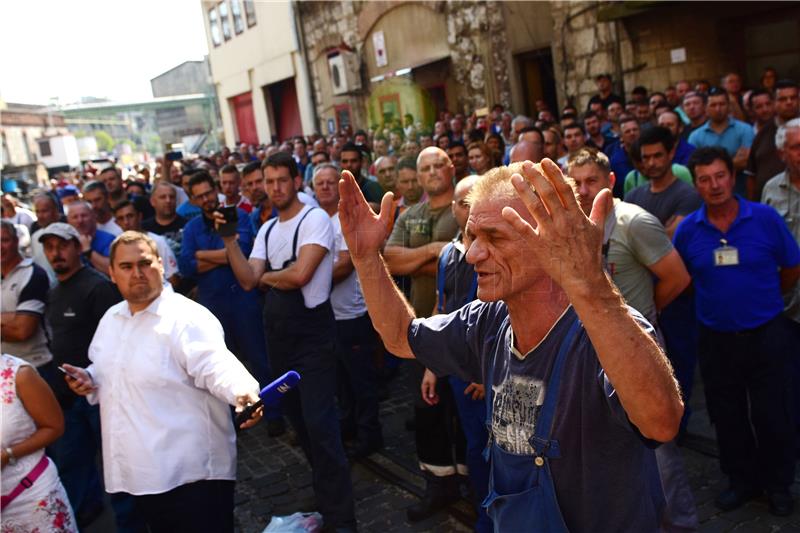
(74, 308)
(172, 232)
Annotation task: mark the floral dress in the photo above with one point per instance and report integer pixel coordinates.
(44, 507)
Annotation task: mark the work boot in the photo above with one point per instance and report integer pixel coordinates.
(440, 492)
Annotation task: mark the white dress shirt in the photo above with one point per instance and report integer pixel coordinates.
(164, 378)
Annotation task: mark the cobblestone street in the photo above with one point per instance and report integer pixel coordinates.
(274, 479)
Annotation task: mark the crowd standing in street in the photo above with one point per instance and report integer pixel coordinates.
(553, 281)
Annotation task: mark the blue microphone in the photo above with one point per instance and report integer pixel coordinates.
(270, 395)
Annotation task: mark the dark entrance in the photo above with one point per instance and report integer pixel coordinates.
(537, 79)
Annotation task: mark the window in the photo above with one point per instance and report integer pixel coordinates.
(213, 24)
(236, 11)
(250, 13)
(44, 148)
(225, 20)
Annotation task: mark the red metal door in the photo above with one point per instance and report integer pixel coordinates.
(242, 106)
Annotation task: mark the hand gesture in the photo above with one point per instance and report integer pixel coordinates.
(477, 391)
(428, 388)
(364, 231)
(86, 242)
(566, 243)
(79, 380)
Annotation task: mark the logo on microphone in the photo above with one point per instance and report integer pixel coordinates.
(283, 388)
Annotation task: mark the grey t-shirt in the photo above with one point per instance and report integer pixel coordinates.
(679, 199)
(637, 240)
(606, 478)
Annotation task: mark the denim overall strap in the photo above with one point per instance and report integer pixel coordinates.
(541, 443)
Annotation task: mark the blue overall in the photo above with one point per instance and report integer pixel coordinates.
(302, 339)
(522, 495)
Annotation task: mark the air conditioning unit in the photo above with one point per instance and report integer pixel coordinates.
(345, 72)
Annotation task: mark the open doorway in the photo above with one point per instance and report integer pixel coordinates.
(284, 110)
(537, 79)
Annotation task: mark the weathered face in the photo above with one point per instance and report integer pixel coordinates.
(137, 272)
(281, 186)
(128, 218)
(714, 183)
(326, 186)
(503, 261)
(163, 201)
(589, 181)
(81, 217)
(435, 172)
(63, 255)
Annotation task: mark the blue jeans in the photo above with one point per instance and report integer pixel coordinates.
(678, 323)
(75, 455)
(472, 414)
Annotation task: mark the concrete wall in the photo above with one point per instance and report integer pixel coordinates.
(191, 77)
(264, 53)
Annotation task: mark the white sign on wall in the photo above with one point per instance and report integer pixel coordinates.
(379, 44)
(678, 55)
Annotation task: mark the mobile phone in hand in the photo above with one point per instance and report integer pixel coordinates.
(228, 229)
(67, 372)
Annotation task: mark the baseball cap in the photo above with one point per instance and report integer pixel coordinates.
(67, 190)
(60, 229)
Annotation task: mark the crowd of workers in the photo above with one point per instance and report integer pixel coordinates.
(166, 294)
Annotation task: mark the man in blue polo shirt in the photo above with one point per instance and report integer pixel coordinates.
(741, 257)
(724, 131)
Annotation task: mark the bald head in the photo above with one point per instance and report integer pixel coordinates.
(460, 205)
(525, 151)
(432, 151)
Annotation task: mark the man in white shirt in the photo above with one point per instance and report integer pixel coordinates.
(355, 337)
(292, 261)
(166, 426)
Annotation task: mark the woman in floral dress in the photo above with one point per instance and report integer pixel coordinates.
(31, 419)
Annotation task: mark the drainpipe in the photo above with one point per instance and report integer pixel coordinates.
(301, 38)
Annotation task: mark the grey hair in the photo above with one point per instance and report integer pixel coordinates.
(73, 205)
(324, 166)
(522, 118)
(780, 135)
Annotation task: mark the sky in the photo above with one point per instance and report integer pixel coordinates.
(102, 48)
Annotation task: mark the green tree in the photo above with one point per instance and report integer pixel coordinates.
(105, 142)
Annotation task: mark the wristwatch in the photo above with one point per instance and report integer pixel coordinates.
(11, 459)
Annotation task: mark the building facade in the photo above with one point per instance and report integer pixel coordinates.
(284, 68)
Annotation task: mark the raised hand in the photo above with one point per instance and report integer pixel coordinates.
(364, 231)
(567, 243)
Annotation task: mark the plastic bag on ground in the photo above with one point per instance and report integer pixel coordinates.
(295, 523)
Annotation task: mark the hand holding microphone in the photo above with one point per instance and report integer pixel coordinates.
(269, 395)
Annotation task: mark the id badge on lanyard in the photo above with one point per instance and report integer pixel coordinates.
(726, 255)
